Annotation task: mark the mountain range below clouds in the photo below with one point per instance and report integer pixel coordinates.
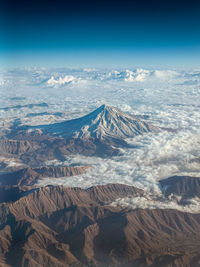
(99, 168)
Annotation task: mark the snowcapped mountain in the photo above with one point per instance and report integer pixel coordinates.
(102, 132)
(104, 122)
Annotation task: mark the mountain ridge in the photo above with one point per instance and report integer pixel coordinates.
(62, 226)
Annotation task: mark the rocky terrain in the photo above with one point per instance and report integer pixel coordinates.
(14, 184)
(105, 225)
(60, 226)
(184, 186)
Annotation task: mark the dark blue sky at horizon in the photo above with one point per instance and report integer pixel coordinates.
(100, 33)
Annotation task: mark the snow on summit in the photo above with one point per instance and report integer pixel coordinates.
(104, 122)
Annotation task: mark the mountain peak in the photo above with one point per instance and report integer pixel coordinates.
(107, 110)
(102, 123)
(109, 122)
(105, 107)
(102, 107)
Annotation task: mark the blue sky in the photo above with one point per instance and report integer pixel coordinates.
(100, 33)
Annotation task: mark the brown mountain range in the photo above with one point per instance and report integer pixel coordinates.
(13, 184)
(60, 226)
(185, 186)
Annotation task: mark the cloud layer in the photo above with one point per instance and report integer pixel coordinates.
(193, 205)
(167, 98)
(60, 81)
(156, 156)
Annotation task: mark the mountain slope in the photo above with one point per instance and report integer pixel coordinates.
(104, 122)
(28, 176)
(100, 133)
(14, 184)
(184, 186)
(60, 226)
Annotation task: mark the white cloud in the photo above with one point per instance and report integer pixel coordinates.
(114, 74)
(166, 96)
(192, 206)
(139, 76)
(155, 156)
(89, 69)
(1, 81)
(164, 74)
(65, 80)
